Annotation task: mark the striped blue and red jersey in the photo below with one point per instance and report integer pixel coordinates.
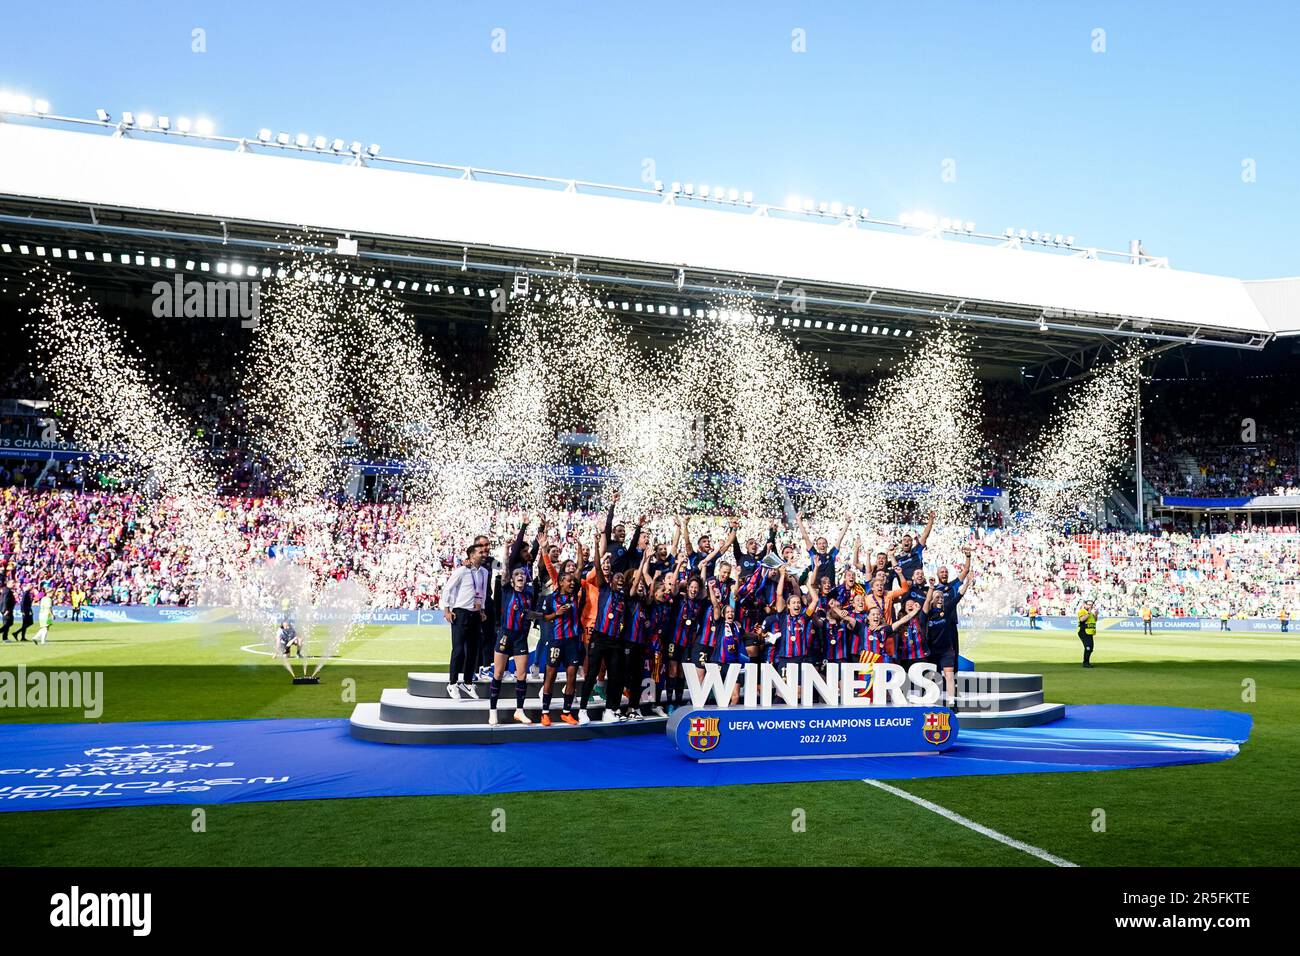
(609, 613)
(514, 607)
(876, 641)
(795, 634)
(686, 622)
(566, 625)
(636, 621)
(909, 643)
(712, 617)
(661, 620)
(769, 589)
(751, 589)
(850, 635)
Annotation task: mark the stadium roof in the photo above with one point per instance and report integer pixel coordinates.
(1278, 300)
(237, 196)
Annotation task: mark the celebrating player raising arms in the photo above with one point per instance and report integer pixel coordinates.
(790, 630)
(637, 635)
(941, 625)
(688, 612)
(819, 551)
(605, 649)
(516, 621)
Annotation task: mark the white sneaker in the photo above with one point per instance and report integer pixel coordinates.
(453, 691)
(470, 691)
(492, 718)
(521, 717)
(659, 711)
(583, 717)
(635, 715)
(611, 715)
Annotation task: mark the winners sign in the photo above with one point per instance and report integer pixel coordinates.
(802, 712)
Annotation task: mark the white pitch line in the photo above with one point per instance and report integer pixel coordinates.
(972, 825)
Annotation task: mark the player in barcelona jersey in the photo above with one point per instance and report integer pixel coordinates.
(747, 560)
(910, 645)
(688, 612)
(661, 626)
(517, 617)
(791, 629)
(730, 644)
(636, 641)
(606, 647)
(565, 649)
(846, 635)
(941, 628)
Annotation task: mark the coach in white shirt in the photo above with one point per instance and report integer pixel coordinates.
(463, 602)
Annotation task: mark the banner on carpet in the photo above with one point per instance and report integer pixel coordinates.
(757, 733)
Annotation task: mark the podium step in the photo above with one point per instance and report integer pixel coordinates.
(997, 682)
(435, 685)
(399, 706)
(367, 724)
(997, 703)
(1027, 717)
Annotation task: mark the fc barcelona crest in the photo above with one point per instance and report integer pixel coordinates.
(703, 733)
(937, 728)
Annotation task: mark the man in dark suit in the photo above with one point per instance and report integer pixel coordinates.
(25, 610)
(7, 602)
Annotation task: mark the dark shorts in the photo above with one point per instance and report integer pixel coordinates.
(512, 642)
(674, 652)
(564, 654)
(943, 656)
(702, 654)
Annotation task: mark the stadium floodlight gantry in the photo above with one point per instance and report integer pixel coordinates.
(130, 201)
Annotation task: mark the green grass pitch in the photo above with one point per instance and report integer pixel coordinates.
(1240, 812)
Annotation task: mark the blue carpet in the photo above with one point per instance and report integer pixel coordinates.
(53, 766)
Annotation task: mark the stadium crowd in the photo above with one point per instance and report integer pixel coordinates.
(122, 548)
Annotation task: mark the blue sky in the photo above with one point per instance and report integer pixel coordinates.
(1144, 140)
